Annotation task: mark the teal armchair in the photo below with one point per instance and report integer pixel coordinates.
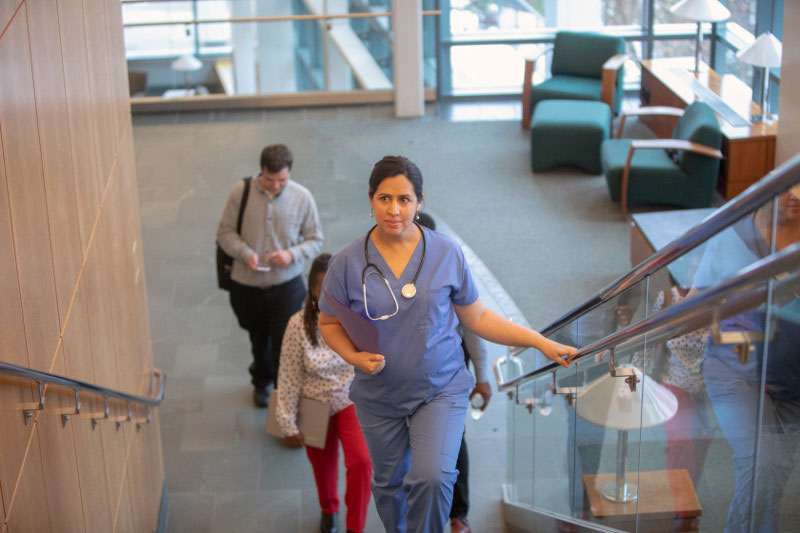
(585, 66)
(679, 171)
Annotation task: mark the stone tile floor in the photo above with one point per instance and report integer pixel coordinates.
(223, 473)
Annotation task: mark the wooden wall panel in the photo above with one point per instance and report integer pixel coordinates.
(15, 433)
(96, 281)
(92, 474)
(139, 483)
(131, 196)
(100, 85)
(12, 344)
(114, 456)
(51, 107)
(7, 10)
(28, 509)
(60, 473)
(88, 182)
(26, 192)
(118, 66)
(131, 357)
(127, 371)
(125, 513)
(65, 135)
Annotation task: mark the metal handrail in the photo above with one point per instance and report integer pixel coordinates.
(78, 385)
(725, 299)
(777, 181)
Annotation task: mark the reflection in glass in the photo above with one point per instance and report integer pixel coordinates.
(733, 372)
(776, 491)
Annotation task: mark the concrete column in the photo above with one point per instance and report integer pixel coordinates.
(243, 37)
(275, 49)
(409, 94)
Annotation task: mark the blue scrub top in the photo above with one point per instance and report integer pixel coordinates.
(421, 346)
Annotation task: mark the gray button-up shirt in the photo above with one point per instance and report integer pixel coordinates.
(288, 221)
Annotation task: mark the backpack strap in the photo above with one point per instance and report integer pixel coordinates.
(243, 204)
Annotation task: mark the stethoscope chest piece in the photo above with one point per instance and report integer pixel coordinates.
(409, 290)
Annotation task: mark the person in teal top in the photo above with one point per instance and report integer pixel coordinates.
(414, 285)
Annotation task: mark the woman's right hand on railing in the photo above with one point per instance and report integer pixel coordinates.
(555, 351)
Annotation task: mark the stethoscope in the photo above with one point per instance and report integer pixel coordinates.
(409, 290)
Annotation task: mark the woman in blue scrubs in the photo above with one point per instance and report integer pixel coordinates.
(414, 286)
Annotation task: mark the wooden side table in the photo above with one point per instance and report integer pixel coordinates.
(667, 502)
(749, 148)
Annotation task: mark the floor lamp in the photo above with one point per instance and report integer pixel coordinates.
(766, 53)
(629, 401)
(700, 11)
(186, 64)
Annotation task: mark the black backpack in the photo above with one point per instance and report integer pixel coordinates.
(224, 261)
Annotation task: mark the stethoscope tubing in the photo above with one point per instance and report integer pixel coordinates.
(380, 273)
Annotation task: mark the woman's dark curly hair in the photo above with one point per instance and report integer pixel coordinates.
(311, 311)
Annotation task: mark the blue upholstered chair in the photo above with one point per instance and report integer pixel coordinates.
(678, 171)
(585, 66)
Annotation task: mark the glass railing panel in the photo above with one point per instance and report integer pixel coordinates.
(699, 449)
(718, 259)
(777, 478)
(521, 432)
(683, 478)
(603, 320)
(554, 440)
(607, 414)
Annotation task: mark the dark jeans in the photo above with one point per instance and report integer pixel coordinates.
(264, 313)
(460, 506)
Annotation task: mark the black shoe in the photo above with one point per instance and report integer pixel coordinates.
(329, 523)
(261, 396)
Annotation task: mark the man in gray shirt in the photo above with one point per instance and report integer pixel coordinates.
(280, 230)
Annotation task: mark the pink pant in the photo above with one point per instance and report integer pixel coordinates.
(343, 426)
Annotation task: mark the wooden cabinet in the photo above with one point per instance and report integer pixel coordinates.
(748, 147)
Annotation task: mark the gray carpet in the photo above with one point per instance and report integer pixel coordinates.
(551, 239)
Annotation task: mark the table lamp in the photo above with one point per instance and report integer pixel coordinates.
(701, 11)
(186, 64)
(610, 402)
(765, 52)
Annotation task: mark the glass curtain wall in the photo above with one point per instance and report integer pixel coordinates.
(484, 42)
(472, 47)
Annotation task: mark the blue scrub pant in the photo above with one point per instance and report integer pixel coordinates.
(414, 462)
(735, 403)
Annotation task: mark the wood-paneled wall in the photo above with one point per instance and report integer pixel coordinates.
(72, 289)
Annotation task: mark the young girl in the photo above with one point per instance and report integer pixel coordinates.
(311, 369)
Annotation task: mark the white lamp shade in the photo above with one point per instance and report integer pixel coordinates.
(609, 402)
(186, 63)
(701, 10)
(764, 52)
